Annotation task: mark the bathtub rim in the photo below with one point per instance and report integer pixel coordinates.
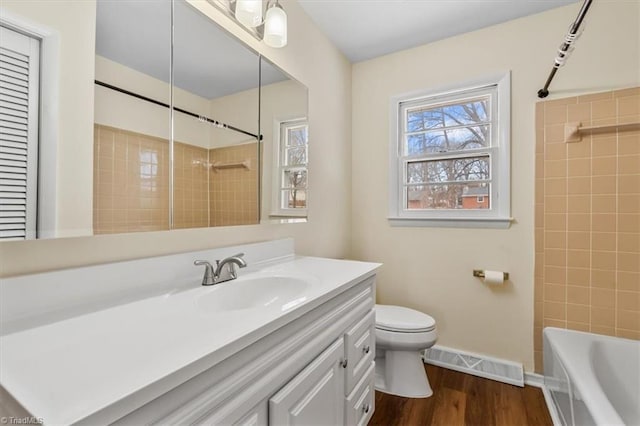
(579, 343)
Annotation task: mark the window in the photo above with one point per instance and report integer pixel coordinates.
(449, 162)
(291, 186)
(19, 86)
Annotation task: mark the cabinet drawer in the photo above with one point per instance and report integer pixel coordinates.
(359, 349)
(361, 402)
(257, 416)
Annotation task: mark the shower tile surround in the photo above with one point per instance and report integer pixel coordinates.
(233, 193)
(190, 198)
(131, 184)
(587, 218)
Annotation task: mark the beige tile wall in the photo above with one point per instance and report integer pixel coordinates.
(131, 182)
(234, 191)
(587, 218)
(191, 187)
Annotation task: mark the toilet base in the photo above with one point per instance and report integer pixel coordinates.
(401, 373)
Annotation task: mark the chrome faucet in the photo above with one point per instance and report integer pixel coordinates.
(224, 270)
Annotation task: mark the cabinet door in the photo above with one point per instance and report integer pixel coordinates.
(316, 395)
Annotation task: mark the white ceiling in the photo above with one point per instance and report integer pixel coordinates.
(365, 29)
(207, 61)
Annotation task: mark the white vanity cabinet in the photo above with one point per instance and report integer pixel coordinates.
(315, 369)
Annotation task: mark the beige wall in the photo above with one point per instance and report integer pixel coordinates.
(326, 233)
(125, 112)
(239, 110)
(431, 268)
(587, 274)
(73, 24)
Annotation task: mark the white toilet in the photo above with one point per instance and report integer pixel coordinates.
(401, 336)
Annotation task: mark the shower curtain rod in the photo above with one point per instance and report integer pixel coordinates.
(564, 51)
(199, 117)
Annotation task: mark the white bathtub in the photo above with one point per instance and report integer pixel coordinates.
(594, 379)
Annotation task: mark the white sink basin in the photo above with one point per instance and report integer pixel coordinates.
(273, 292)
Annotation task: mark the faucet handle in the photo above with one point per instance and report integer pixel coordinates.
(208, 278)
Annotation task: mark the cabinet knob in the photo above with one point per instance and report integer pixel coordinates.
(343, 363)
(366, 408)
(366, 349)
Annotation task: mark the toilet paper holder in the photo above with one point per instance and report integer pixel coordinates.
(480, 274)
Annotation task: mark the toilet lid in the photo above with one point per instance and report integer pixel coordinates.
(398, 318)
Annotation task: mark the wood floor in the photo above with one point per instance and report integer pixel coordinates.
(462, 399)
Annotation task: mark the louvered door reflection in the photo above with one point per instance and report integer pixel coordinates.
(19, 76)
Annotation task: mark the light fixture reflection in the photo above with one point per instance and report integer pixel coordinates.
(268, 24)
(249, 12)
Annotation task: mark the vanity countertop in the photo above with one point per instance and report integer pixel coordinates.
(97, 366)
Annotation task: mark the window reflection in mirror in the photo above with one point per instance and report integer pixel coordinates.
(285, 130)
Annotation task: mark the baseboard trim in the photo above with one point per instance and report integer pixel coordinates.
(534, 379)
(478, 365)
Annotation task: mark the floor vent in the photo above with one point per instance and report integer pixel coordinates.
(479, 365)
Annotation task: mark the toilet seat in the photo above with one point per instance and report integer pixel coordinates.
(403, 320)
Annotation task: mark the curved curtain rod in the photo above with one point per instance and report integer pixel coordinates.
(563, 52)
(199, 117)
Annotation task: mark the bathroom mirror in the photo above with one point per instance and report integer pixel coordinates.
(214, 179)
(104, 147)
(105, 122)
(285, 132)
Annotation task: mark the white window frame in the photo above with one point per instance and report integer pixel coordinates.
(498, 215)
(277, 209)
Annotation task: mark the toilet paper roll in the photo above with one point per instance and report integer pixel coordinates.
(494, 277)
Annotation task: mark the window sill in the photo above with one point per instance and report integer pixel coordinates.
(279, 215)
(492, 223)
(284, 219)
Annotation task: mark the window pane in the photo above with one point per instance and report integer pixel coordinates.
(295, 179)
(471, 112)
(294, 199)
(296, 156)
(420, 119)
(425, 143)
(297, 136)
(458, 169)
(457, 139)
(468, 112)
(451, 196)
